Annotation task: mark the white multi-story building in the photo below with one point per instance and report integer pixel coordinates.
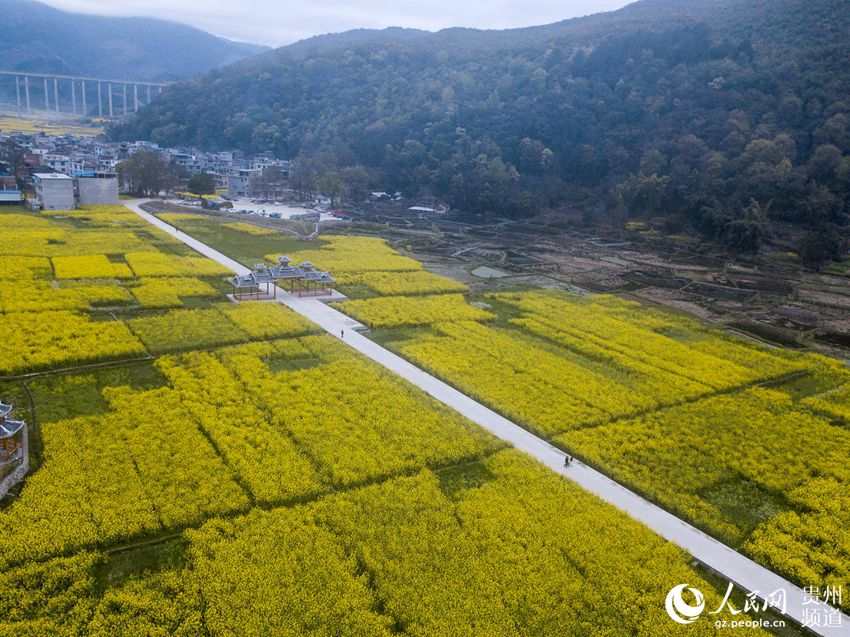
(54, 191)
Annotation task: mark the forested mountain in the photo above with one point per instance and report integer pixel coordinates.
(39, 38)
(730, 116)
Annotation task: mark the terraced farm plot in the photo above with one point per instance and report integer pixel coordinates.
(96, 266)
(180, 330)
(41, 340)
(400, 311)
(344, 254)
(218, 435)
(267, 320)
(396, 284)
(169, 292)
(502, 547)
(752, 428)
(672, 409)
(43, 296)
(250, 228)
(158, 264)
(355, 420)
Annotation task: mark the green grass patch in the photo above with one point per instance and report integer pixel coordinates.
(64, 396)
(182, 330)
(117, 568)
(245, 248)
(456, 481)
(744, 503)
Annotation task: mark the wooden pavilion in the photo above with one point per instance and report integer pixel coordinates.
(303, 279)
(245, 284)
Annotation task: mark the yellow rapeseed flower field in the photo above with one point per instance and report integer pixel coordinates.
(255, 477)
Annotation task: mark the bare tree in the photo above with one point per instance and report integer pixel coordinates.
(146, 173)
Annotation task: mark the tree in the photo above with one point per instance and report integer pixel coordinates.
(643, 194)
(202, 184)
(12, 153)
(303, 176)
(356, 180)
(146, 173)
(821, 244)
(746, 233)
(331, 186)
(825, 163)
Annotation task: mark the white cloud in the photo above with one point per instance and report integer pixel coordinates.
(276, 23)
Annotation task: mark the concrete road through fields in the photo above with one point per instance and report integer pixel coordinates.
(737, 568)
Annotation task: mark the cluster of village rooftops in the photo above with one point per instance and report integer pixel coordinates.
(301, 279)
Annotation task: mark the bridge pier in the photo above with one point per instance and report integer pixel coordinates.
(73, 97)
(135, 98)
(125, 98)
(27, 90)
(46, 96)
(109, 89)
(83, 90)
(149, 94)
(56, 93)
(18, 93)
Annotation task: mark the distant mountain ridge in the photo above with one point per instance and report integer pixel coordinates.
(38, 38)
(730, 117)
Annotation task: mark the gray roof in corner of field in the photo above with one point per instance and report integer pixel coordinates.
(9, 428)
(284, 260)
(5, 409)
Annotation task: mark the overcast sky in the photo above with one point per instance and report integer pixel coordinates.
(278, 22)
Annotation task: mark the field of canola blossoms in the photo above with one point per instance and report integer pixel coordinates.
(364, 267)
(505, 548)
(612, 382)
(600, 376)
(707, 425)
(283, 485)
(100, 284)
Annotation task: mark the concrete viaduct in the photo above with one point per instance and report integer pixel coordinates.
(110, 96)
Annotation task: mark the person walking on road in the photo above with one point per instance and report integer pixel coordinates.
(342, 333)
